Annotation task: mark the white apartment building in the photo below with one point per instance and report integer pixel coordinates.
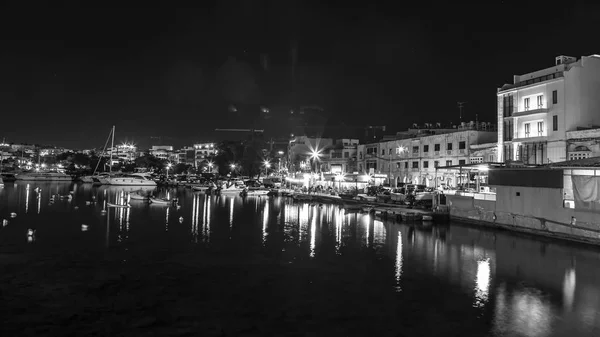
(537, 110)
(203, 151)
(162, 151)
(414, 160)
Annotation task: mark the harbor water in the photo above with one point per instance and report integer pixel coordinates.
(261, 266)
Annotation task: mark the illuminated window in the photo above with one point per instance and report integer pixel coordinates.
(526, 103)
(540, 101)
(540, 126)
(527, 129)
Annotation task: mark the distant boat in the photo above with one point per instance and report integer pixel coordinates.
(136, 196)
(44, 176)
(108, 204)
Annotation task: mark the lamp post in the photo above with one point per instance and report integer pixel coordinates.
(267, 166)
(210, 167)
(232, 166)
(168, 167)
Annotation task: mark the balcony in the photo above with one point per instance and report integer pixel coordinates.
(530, 111)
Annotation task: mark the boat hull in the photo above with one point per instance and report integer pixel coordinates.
(43, 178)
(126, 181)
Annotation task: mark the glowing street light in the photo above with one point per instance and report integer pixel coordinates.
(267, 166)
(232, 166)
(168, 167)
(210, 166)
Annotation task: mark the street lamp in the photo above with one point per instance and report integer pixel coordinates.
(315, 156)
(267, 166)
(168, 167)
(210, 166)
(232, 167)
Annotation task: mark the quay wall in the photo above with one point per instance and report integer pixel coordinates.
(533, 210)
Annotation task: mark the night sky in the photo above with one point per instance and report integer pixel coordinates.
(67, 74)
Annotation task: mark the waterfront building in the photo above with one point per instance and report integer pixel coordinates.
(164, 152)
(124, 153)
(414, 156)
(341, 157)
(583, 143)
(537, 110)
(186, 155)
(202, 152)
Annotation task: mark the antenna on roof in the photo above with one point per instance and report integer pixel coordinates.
(460, 107)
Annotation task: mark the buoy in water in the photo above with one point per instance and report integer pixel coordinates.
(13, 215)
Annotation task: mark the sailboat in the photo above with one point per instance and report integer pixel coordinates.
(102, 179)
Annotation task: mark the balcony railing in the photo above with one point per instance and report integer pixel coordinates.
(531, 111)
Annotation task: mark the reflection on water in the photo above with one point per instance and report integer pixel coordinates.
(399, 261)
(518, 286)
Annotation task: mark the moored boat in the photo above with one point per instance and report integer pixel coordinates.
(43, 176)
(134, 179)
(160, 201)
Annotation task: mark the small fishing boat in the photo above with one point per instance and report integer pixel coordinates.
(160, 201)
(108, 204)
(136, 196)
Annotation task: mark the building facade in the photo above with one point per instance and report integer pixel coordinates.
(415, 159)
(341, 157)
(537, 110)
(203, 151)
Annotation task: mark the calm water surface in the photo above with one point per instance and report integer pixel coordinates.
(495, 282)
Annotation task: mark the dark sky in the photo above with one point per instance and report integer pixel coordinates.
(68, 73)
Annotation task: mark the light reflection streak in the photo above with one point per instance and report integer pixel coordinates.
(338, 230)
(569, 283)
(313, 228)
(167, 220)
(231, 212)
(399, 262)
(379, 233)
(207, 219)
(39, 203)
(195, 215)
(27, 199)
(367, 218)
(265, 221)
(482, 283)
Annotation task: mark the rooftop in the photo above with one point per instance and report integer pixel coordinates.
(586, 162)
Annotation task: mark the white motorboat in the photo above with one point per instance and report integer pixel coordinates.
(87, 179)
(234, 188)
(44, 176)
(108, 204)
(256, 192)
(134, 179)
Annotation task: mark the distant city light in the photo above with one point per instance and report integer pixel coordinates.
(280, 153)
(267, 164)
(232, 166)
(210, 164)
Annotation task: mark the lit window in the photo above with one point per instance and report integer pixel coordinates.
(540, 126)
(526, 103)
(527, 129)
(540, 101)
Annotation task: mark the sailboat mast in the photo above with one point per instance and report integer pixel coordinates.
(112, 146)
